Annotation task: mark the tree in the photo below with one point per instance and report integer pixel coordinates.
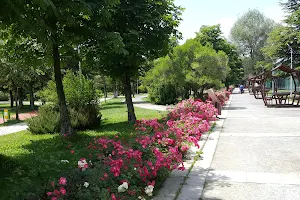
(190, 66)
(209, 69)
(145, 27)
(250, 33)
(212, 36)
(57, 25)
(283, 36)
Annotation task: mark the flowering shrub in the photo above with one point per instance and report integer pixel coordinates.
(129, 170)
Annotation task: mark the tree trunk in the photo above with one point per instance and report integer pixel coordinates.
(31, 98)
(17, 106)
(65, 125)
(11, 98)
(130, 108)
(20, 93)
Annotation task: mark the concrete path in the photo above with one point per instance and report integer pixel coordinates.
(253, 154)
(4, 130)
(139, 101)
(257, 155)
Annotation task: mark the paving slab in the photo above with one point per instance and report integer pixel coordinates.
(250, 191)
(262, 124)
(258, 154)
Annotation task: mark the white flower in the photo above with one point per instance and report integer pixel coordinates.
(86, 184)
(149, 190)
(134, 169)
(142, 198)
(82, 164)
(123, 187)
(64, 161)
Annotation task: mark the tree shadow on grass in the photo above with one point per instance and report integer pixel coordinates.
(27, 176)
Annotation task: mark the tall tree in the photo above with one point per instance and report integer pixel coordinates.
(285, 36)
(250, 33)
(212, 36)
(57, 24)
(146, 27)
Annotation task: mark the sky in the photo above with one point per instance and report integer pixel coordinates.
(224, 12)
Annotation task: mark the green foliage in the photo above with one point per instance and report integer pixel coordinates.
(212, 36)
(209, 68)
(78, 89)
(190, 66)
(4, 96)
(46, 122)
(81, 98)
(283, 36)
(250, 33)
(162, 93)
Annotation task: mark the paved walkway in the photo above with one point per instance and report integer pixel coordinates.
(4, 130)
(253, 155)
(139, 101)
(257, 155)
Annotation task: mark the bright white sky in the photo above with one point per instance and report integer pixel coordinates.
(224, 12)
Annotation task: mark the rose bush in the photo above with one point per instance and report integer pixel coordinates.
(115, 169)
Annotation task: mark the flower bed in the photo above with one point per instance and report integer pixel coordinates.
(115, 169)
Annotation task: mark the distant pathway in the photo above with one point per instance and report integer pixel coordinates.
(139, 101)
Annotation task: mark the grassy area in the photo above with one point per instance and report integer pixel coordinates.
(28, 162)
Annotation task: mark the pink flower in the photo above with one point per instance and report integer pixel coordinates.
(184, 148)
(62, 191)
(49, 193)
(72, 151)
(62, 181)
(56, 193)
(113, 197)
(54, 198)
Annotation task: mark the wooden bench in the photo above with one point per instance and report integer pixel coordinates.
(215, 100)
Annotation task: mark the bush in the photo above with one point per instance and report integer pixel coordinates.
(164, 93)
(143, 89)
(4, 96)
(46, 122)
(84, 118)
(82, 102)
(48, 119)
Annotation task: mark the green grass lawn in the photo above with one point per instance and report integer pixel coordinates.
(29, 161)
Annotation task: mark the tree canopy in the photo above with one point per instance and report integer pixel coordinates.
(250, 33)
